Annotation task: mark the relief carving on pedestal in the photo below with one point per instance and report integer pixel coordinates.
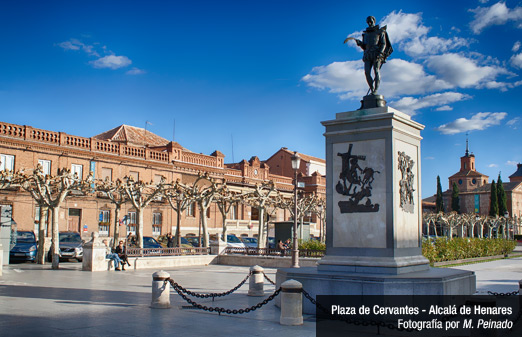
(356, 183)
(405, 165)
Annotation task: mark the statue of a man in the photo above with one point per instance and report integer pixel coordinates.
(377, 48)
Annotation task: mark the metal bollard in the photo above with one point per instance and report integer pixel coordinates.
(160, 290)
(256, 282)
(291, 303)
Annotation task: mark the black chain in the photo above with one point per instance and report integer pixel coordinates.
(353, 321)
(220, 310)
(213, 295)
(513, 293)
(269, 280)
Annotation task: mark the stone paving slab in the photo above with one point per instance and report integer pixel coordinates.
(38, 301)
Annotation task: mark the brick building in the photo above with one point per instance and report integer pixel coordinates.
(475, 190)
(130, 151)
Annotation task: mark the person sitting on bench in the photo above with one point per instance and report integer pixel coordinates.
(113, 256)
(122, 254)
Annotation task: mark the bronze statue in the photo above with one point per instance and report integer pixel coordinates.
(377, 48)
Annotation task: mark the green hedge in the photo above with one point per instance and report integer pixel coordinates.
(312, 245)
(444, 249)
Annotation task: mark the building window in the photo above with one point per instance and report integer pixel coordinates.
(156, 230)
(460, 181)
(254, 214)
(157, 218)
(131, 229)
(191, 209)
(132, 217)
(106, 174)
(233, 212)
(6, 162)
(134, 175)
(105, 216)
(46, 166)
(78, 170)
(103, 228)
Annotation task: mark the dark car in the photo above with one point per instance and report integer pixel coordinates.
(25, 248)
(70, 246)
(150, 242)
(193, 240)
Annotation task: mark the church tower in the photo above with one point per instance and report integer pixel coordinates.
(467, 178)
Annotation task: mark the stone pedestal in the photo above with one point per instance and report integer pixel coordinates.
(256, 282)
(94, 253)
(217, 247)
(374, 214)
(160, 290)
(291, 303)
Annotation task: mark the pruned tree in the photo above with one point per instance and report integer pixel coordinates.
(115, 191)
(320, 211)
(261, 197)
(179, 197)
(141, 194)
(50, 192)
(305, 205)
(203, 191)
(225, 200)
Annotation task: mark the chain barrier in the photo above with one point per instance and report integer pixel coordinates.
(353, 321)
(213, 295)
(513, 293)
(220, 310)
(268, 279)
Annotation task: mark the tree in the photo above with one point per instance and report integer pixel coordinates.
(305, 204)
(455, 204)
(203, 192)
(179, 197)
(261, 198)
(493, 200)
(50, 192)
(439, 202)
(225, 200)
(141, 195)
(501, 197)
(115, 191)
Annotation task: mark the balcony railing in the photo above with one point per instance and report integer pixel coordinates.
(177, 251)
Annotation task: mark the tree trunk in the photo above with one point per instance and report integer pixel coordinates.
(301, 229)
(203, 217)
(55, 246)
(178, 224)
(139, 227)
(40, 257)
(224, 226)
(116, 225)
(261, 240)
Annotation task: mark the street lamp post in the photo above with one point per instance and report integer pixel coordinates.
(296, 160)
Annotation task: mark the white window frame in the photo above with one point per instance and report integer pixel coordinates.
(106, 217)
(132, 218)
(7, 162)
(191, 209)
(46, 166)
(103, 229)
(78, 169)
(106, 169)
(157, 218)
(156, 230)
(233, 211)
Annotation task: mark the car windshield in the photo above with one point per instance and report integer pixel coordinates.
(70, 237)
(184, 241)
(150, 241)
(233, 239)
(249, 240)
(25, 237)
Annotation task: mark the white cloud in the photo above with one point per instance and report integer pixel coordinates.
(497, 14)
(135, 71)
(511, 163)
(429, 158)
(483, 1)
(516, 61)
(409, 105)
(75, 44)
(492, 165)
(111, 62)
(463, 72)
(513, 123)
(444, 108)
(516, 47)
(345, 78)
(479, 121)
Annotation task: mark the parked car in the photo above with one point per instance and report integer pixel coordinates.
(271, 242)
(249, 242)
(193, 240)
(25, 248)
(70, 246)
(234, 241)
(150, 242)
(162, 239)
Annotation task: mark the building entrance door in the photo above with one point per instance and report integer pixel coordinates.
(75, 217)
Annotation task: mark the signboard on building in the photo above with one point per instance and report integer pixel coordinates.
(477, 203)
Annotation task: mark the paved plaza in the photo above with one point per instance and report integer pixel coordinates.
(38, 301)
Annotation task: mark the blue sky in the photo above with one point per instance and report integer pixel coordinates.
(265, 73)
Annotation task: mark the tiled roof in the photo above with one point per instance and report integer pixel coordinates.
(469, 173)
(487, 187)
(132, 135)
(304, 157)
(518, 173)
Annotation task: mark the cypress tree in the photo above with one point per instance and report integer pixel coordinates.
(455, 204)
(501, 197)
(439, 202)
(493, 200)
